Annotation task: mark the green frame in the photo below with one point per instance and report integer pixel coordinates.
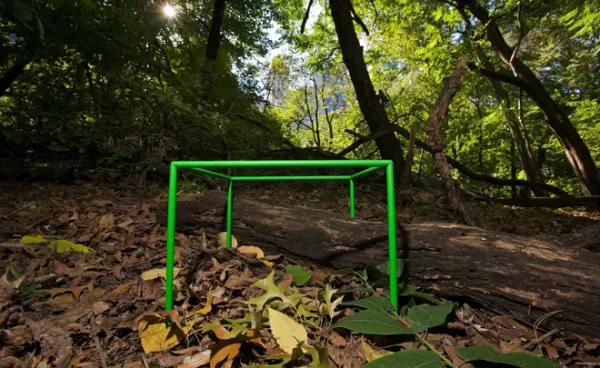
(201, 166)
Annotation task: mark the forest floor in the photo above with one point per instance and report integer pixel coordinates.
(87, 309)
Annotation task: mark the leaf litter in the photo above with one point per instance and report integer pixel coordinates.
(83, 280)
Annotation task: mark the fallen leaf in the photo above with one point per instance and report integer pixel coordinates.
(38, 239)
(158, 272)
(236, 282)
(288, 333)
(226, 353)
(107, 221)
(100, 307)
(249, 250)
(222, 240)
(371, 353)
(157, 335)
(76, 291)
(62, 246)
(196, 360)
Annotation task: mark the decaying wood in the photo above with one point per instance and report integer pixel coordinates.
(511, 274)
(589, 202)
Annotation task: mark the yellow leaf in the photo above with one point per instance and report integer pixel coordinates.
(65, 245)
(267, 263)
(288, 333)
(222, 240)
(371, 353)
(204, 310)
(157, 335)
(28, 239)
(158, 272)
(246, 249)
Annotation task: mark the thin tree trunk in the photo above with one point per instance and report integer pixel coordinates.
(575, 148)
(214, 35)
(389, 146)
(514, 126)
(11, 75)
(436, 128)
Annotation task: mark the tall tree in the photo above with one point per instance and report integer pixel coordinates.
(368, 100)
(214, 35)
(576, 150)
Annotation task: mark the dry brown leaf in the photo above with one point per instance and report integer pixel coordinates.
(236, 282)
(76, 291)
(100, 307)
(551, 351)
(158, 272)
(54, 342)
(196, 360)
(106, 222)
(226, 353)
(336, 339)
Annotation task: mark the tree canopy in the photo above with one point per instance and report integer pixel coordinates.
(117, 83)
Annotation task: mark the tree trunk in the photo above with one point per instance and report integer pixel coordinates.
(11, 75)
(436, 131)
(519, 276)
(521, 142)
(214, 35)
(389, 146)
(575, 148)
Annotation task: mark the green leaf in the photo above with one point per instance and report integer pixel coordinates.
(486, 353)
(411, 290)
(373, 323)
(373, 303)
(301, 276)
(408, 359)
(423, 317)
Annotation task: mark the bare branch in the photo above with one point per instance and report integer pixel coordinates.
(306, 15)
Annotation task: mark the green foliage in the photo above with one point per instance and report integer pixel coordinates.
(487, 354)
(408, 359)
(301, 276)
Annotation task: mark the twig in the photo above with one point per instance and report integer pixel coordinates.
(97, 342)
(545, 336)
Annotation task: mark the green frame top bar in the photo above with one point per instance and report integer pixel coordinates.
(282, 163)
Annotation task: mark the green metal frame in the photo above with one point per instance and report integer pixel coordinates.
(201, 167)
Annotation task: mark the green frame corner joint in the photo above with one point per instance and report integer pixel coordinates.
(203, 166)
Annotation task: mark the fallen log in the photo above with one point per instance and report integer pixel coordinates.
(591, 202)
(519, 276)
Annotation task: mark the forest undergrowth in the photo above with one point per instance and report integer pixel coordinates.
(91, 292)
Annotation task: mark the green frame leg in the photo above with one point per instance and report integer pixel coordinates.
(391, 202)
(171, 237)
(352, 208)
(229, 208)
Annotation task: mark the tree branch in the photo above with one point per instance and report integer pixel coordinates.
(357, 19)
(455, 164)
(306, 15)
(502, 77)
